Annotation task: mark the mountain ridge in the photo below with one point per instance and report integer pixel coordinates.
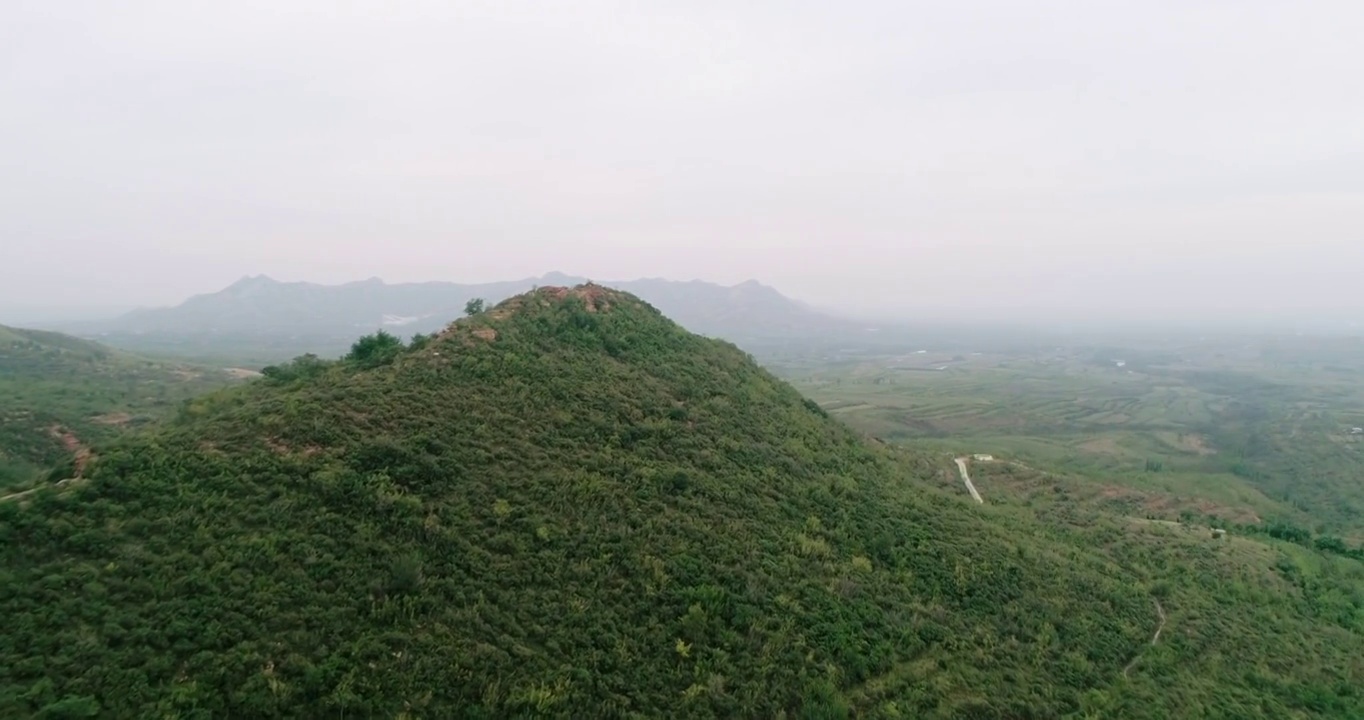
(259, 303)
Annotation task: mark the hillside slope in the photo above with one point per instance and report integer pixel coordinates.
(59, 393)
(566, 506)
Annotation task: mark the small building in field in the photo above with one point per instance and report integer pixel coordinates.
(983, 458)
(1357, 431)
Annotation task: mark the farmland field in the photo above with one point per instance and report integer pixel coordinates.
(1235, 429)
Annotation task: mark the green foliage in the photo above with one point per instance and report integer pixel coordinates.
(1104, 460)
(474, 307)
(69, 709)
(568, 506)
(371, 351)
(1214, 419)
(52, 385)
(303, 367)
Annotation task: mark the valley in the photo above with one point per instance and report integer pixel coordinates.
(60, 394)
(1223, 472)
(1216, 433)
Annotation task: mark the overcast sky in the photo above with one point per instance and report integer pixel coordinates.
(1165, 156)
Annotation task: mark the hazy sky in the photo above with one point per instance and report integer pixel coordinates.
(1173, 156)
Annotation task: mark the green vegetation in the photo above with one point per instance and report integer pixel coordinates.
(1222, 474)
(1233, 430)
(1244, 605)
(58, 393)
(567, 506)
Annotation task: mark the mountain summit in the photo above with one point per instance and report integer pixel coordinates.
(566, 506)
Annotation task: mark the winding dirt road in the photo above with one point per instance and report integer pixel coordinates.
(1154, 638)
(966, 477)
(81, 457)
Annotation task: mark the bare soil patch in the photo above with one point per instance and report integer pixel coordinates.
(280, 448)
(1192, 443)
(1101, 446)
(73, 445)
(1198, 444)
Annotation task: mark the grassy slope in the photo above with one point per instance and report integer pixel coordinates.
(557, 511)
(52, 383)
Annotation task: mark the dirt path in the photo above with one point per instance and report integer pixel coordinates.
(73, 445)
(1154, 638)
(24, 493)
(966, 477)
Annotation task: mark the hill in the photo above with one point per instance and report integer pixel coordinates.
(279, 320)
(58, 394)
(569, 506)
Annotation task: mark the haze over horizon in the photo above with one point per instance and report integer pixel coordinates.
(1161, 161)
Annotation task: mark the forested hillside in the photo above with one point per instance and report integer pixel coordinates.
(59, 394)
(568, 506)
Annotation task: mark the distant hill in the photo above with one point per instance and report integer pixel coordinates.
(568, 506)
(59, 394)
(296, 317)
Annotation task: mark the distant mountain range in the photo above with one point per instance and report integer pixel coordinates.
(319, 318)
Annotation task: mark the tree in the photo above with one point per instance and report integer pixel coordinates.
(374, 350)
(303, 366)
(474, 307)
